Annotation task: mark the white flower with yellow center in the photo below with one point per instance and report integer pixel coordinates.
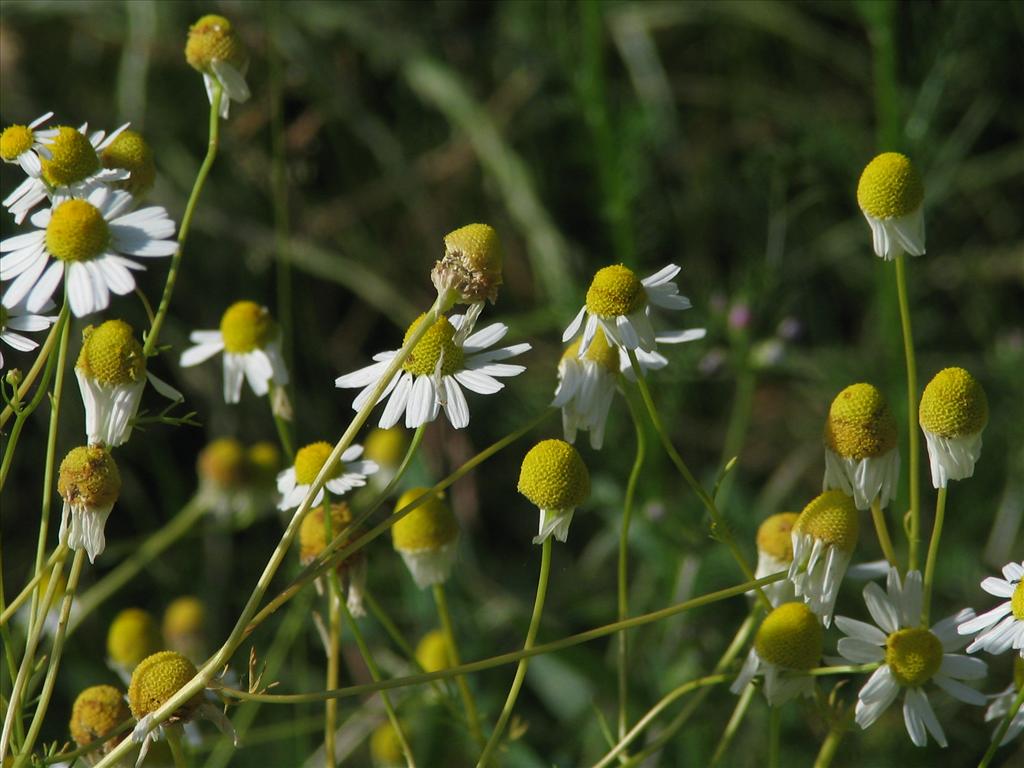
(1002, 627)
(84, 241)
(18, 319)
(862, 458)
(89, 483)
(953, 414)
(215, 50)
(293, 483)
(555, 479)
(910, 656)
(427, 538)
(787, 645)
(72, 169)
(111, 372)
(24, 145)
(443, 359)
(1000, 706)
(824, 537)
(774, 554)
(251, 343)
(890, 194)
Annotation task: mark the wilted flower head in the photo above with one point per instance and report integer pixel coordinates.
(89, 483)
(555, 479)
(953, 414)
(314, 536)
(890, 194)
(215, 50)
(788, 644)
(130, 152)
(97, 711)
(470, 270)
(775, 553)
(426, 538)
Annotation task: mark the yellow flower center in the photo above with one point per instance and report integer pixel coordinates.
(386, 446)
(14, 140)
(313, 534)
(131, 152)
(156, 679)
(860, 424)
(89, 477)
(430, 526)
(1017, 601)
(310, 460)
(890, 187)
(953, 404)
(96, 712)
(471, 264)
(614, 291)
(246, 326)
(831, 518)
(184, 617)
(790, 637)
(111, 354)
(132, 637)
(432, 652)
(913, 656)
(438, 343)
(72, 158)
(385, 748)
(212, 39)
(599, 351)
(553, 476)
(264, 459)
(774, 536)
(223, 462)
(77, 231)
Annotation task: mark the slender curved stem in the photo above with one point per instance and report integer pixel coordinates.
(914, 534)
(26, 591)
(738, 713)
(831, 744)
(997, 737)
(882, 530)
(334, 600)
(933, 555)
(441, 600)
(531, 635)
(177, 751)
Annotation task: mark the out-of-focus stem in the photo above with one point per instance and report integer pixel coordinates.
(453, 653)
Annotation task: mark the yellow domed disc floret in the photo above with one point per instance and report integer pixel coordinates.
(913, 655)
(89, 476)
(156, 679)
(77, 231)
(132, 636)
(246, 326)
(72, 158)
(111, 354)
(129, 151)
(890, 187)
(553, 476)
(96, 712)
(386, 446)
(1017, 601)
(860, 424)
(599, 351)
(428, 527)
(313, 534)
(615, 290)
(14, 140)
(790, 637)
(471, 265)
(432, 652)
(774, 536)
(953, 405)
(183, 617)
(310, 459)
(212, 39)
(223, 462)
(831, 518)
(437, 341)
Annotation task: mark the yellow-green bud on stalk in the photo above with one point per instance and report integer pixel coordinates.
(131, 152)
(891, 196)
(788, 644)
(862, 457)
(555, 479)
(216, 51)
(314, 537)
(426, 538)
(97, 711)
(132, 636)
(387, 448)
(470, 270)
(775, 553)
(89, 483)
(432, 652)
(386, 748)
(184, 627)
(953, 414)
(824, 538)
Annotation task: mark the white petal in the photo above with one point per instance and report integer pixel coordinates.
(486, 337)
(234, 372)
(397, 402)
(199, 354)
(959, 691)
(118, 278)
(231, 79)
(423, 402)
(881, 608)
(985, 620)
(917, 700)
(574, 327)
(1013, 571)
(25, 240)
(361, 377)
(859, 651)
(24, 284)
(861, 630)
(662, 276)
(79, 286)
(258, 371)
(457, 408)
(476, 381)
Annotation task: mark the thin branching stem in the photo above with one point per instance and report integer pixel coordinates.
(882, 531)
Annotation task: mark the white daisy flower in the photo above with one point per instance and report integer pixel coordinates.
(774, 554)
(620, 303)
(555, 479)
(953, 414)
(251, 343)
(891, 196)
(293, 483)
(73, 169)
(446, 357)
(89, 483)
(1001, 628)
(216, 51)
(85, 241)
(1001, 703)
(24, 145)
(787, 645)
(18, 319)
(910, 656)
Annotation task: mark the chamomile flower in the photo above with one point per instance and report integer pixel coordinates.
(184, 627)
(447, 358)
(251, 343)
(824, 537)
(111, 372)
(71, 169)
(432, 652)
(775, 553)
(293, 483)
(555, 479)
(85, 242)
(18, 319)
(890, 194)
(787, 645)
(386, 747)
(426, 538)
(862, 458)
(387, 448)
(620, 303)
(89, 483)
(133, 635)
(470, 270)
(216, 51)
(130, 152)
(910, 656)
(953, 414)
(97, 711)
(314, 536)
(25, 145)
(1000, 706)
(1001, 628)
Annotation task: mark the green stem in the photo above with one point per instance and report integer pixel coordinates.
(149, 348)
(933, 555)
(177, 751)
(914, 534)
(831, 744)
(284, 431)
(997, 737)
(774, 731)
(334, 600)
(733, 726)
(882, 530)
(468, 703)
(26, 592)
(531, 635)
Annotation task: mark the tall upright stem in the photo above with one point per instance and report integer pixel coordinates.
(453, 657)
(933, 555)
(914, 533)
(882, 530)
(334, 600)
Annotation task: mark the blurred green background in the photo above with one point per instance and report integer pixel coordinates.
(727, 137)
